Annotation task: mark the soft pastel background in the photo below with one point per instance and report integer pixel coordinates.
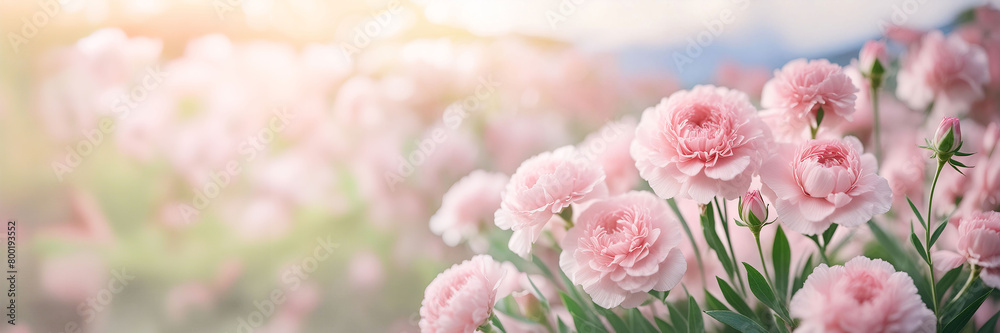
(151, 196)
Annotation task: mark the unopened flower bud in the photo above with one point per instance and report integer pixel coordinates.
(948, 137)
(752, 209)
(870, 52)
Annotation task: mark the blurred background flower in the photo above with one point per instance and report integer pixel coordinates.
(273, 166)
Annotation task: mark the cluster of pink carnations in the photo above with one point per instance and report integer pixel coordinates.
(858, 198)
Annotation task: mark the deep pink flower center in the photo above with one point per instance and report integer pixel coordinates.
(827, 155)
(704, 132)
(825, 168)
(863, 287)
(619, 236)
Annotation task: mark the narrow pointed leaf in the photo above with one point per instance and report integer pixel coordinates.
(677, 319)
(760, 289)
(947, 280)
(734, 299)
(713, 303)
(963, 317)
(917, 245)
(781, 256)
(664, 326)
(917, 213)
(828, 234)
(937, 233)
(616, 322)
(800, 279)
(737, 321)
(695, 322)
(989, 325)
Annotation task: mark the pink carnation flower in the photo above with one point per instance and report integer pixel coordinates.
(824, 182)
(978, 244)
(461, 298)
(944, 70)
(623, 247)
(700, 143)
(800, 88)
(864, 295)
(543, 186)
(467, 205)
(609, 146)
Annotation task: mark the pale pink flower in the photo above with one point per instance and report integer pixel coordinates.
(904, 168)
(699, 144)
(511, 138)
(461, 298)
(73, 277)
(800, 89)
(822, 182)
(944, 70)
(623, 247)
(745, 78)
(467, 207)
(864, 295)
(543, 186)
(980, 186)
(903, 35)
(365, 271)
(871, 51)
(609, 146)
(978, 244)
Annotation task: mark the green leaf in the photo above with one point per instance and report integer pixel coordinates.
(563, 328)
(800, 279)
(677, 319)
(581, 318)
(695, 323)
(877, 68)
(919, 246)
(782, 328)
(566, 282)
(496, 322)
(734, 299)
(735, 320)
(828, 234)
(937, 233)
(660, 295)
(616, 322)
(538, 293)
(989, 325)
(567, 214)
(638, 323)
(963, 318)
(947, 280)
(713, 303)
(760, 288)
(509, 307)
(917, 213)
(664, 326)
(713, 240)
(782, 257)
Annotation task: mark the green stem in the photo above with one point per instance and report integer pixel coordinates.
(687, 230)
(972, 278)
(760, 251)
(729, 240)
(875, 115)
(927, 237)
(487, 327)
(822, 248)
(567, 215)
